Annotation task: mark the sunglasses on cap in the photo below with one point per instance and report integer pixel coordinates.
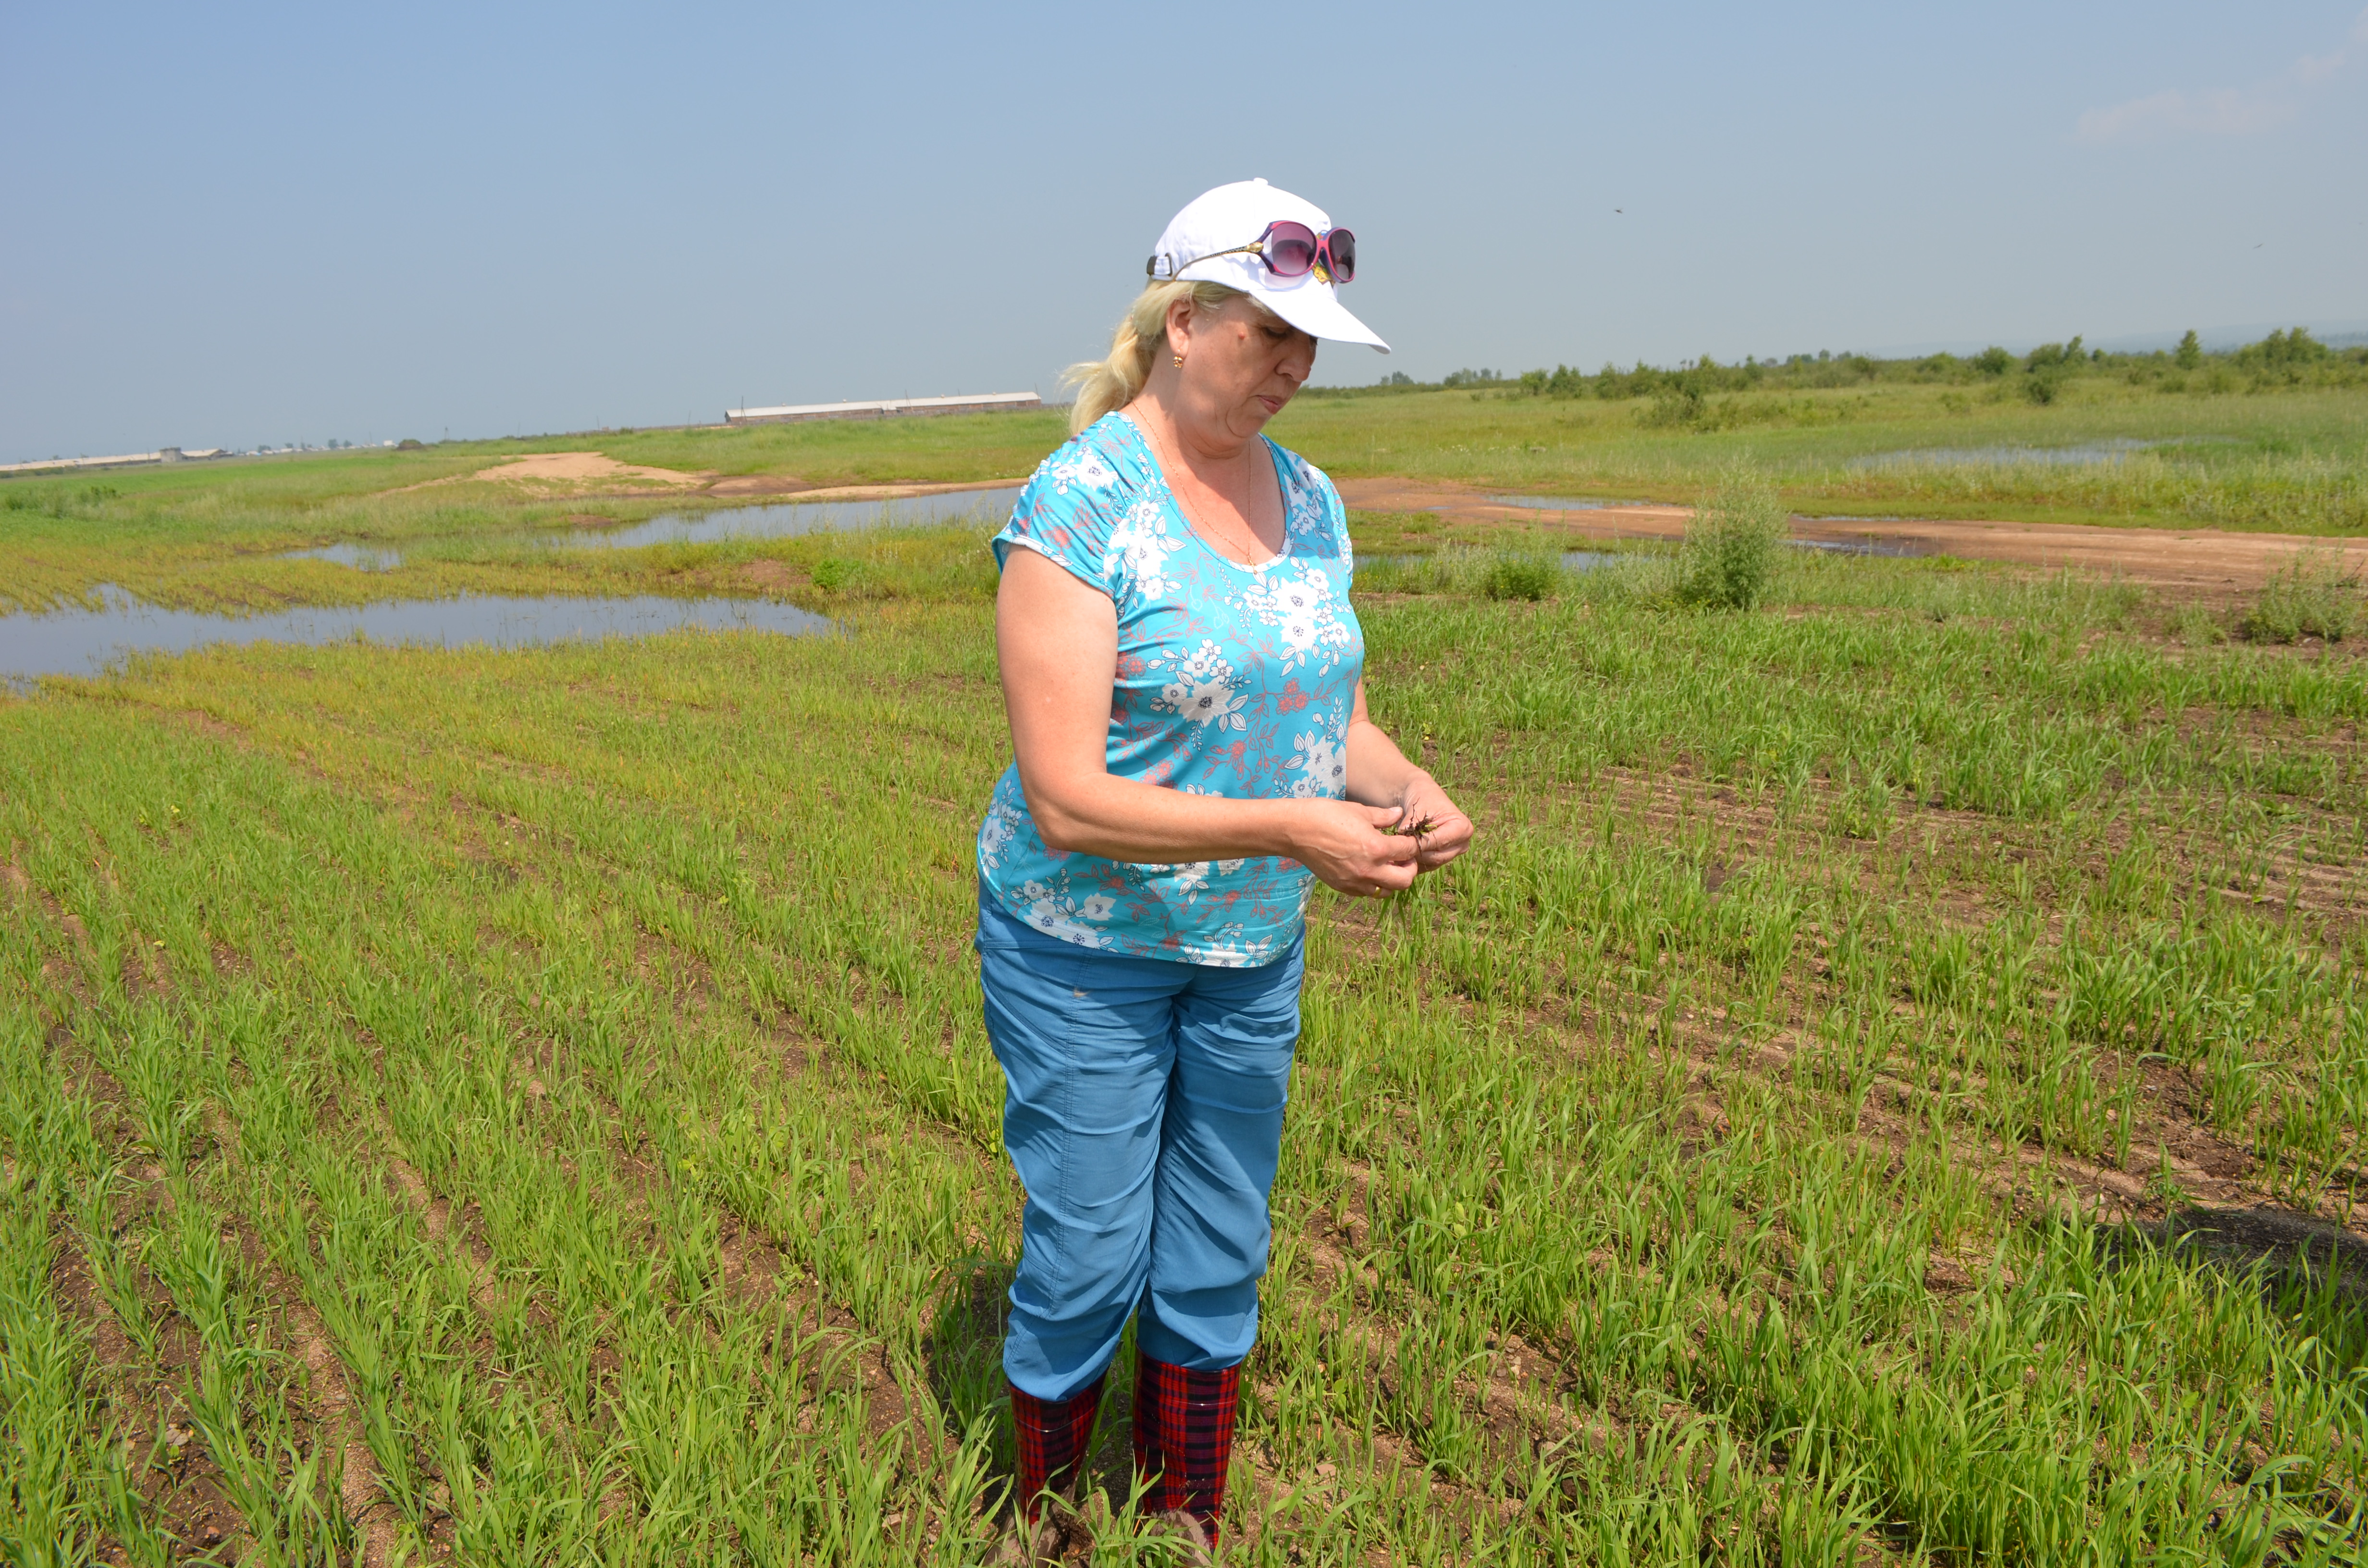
(1289, 250)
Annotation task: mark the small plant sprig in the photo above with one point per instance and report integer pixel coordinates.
(1402, 827)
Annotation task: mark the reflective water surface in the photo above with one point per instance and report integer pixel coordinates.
(1558, 502)
(360, 557)
(85, 642)
(2087, 454)
(1893, 549)
(782, 520)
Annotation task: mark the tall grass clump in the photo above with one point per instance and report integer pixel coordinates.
(2310, 597)
(1530, 575)
(1521, 575)
(1730, 551)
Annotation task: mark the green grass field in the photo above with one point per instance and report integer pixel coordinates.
(532, 1106)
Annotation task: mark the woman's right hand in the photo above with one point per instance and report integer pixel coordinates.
(1343, 843)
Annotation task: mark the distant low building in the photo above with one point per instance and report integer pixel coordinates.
(789, 414)
(123, 459)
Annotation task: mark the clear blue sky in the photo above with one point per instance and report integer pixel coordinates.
(241, 224)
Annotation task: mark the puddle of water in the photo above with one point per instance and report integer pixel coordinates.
(1555, 502)
(784, 521)
(360, 557)
(1891, 548)
(795, 517)
(85, 641)
(2086, 455)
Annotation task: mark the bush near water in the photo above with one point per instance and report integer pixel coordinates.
(1731, 544)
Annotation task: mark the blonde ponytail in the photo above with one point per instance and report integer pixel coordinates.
(1105, 384)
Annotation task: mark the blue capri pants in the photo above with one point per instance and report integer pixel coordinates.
(1143, 1112)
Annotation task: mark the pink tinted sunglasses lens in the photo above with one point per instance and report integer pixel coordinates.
(1290, 249)
(1340, 255)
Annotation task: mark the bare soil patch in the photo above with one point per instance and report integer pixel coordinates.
(574, 474)
(772, 576)
(2196, 560)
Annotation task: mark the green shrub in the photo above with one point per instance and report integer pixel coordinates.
(1678, 407)
(2283, 350)
(2191, 351)
(1731, 547)
(834, 572)
(2048, 356)
(2195, 626)
(1514, 575)
(2041, 386)
(2310, 597)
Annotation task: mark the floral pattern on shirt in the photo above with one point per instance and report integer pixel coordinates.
(1231, 681)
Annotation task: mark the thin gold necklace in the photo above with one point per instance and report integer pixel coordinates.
(1209, 536)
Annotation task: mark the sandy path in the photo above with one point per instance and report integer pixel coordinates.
(2198, 560)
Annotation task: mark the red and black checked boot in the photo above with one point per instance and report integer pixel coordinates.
(1184, 1437)
(1054, 1435)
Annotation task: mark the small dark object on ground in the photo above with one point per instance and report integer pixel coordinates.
(2286, 1245)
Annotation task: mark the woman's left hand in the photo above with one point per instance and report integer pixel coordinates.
(1449, 829)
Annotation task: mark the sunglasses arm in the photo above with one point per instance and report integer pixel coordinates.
(1151, 267)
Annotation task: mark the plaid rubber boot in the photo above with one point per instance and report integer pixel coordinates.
(1184, 1436)
(1054, 1435)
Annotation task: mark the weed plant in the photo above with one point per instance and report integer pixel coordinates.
(1520, 576)
(2311, 595)
(1731, 545)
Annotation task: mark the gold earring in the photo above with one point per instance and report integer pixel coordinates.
(1179, 361)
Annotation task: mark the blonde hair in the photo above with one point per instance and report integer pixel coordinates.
(1105, 384)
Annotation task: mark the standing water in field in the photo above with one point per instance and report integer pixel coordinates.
(1557, 503)
(2087, 454)
(785, 520)
(85, 642)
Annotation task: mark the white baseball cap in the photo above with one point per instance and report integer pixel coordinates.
(1195, 245)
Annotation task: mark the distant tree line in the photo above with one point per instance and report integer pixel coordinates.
(2290, 359)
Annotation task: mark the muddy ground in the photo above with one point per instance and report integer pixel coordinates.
(2201, 561)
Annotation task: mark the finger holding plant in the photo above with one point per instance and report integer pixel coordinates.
(1439, 830)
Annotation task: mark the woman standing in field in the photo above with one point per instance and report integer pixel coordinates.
(1184, 678)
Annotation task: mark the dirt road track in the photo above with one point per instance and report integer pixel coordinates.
(2197, 559)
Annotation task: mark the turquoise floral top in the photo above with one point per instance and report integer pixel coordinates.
(1231, 681)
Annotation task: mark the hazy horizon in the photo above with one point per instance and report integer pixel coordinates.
(271, 225)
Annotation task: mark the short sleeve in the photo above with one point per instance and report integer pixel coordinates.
(1067, 513)
(1317, 501)
(1337, 512)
